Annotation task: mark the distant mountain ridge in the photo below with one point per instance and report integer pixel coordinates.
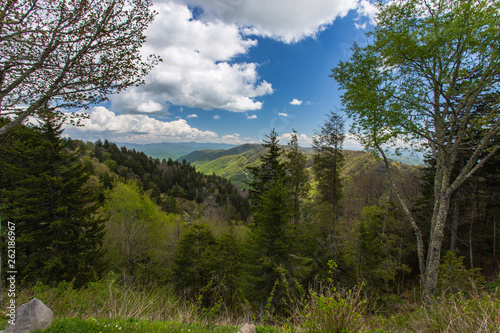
(232, 163)
(208, 155)
(174, 150)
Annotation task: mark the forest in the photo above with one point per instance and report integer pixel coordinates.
(306, 237)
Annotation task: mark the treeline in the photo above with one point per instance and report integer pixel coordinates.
(167, 182)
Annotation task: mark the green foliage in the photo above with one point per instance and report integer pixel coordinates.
(194, 264)
(298, 175)
(454, 277)
(92, 325)
(428, 79)
(170, 183)
(135, 233)
(208, 270)
(270, 244)
(335, 311)
(44, 191)
(328, 160)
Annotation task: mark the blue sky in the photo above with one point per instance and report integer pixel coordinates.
(234, 69)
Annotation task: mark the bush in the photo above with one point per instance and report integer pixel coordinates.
(335, 311)
(454, 277)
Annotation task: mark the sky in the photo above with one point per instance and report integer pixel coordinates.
(232, 70)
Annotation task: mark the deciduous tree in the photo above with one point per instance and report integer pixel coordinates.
(69, 53)
(420, 80)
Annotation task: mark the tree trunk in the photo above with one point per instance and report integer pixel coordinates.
(454, 226)
(435, 241)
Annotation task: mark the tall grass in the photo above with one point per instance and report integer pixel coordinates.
(111, 299)
(327, 310)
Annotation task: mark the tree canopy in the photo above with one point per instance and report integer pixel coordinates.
(429, 78)
(68, 53)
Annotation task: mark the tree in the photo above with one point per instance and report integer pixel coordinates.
(328, 160)
(269, 171)
(195, 263)
(298, 175)
(68, 53)
(429, 66)
(44, 191)
(270, 242)
(135, 233)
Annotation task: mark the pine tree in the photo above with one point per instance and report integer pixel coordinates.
(43, 188)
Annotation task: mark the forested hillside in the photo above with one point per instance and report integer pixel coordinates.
(232, 163)
(85, 210)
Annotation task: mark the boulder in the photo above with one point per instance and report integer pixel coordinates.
(30, 317)
(247, 328)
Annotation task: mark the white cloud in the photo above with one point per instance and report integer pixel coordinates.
(283, 114)
(192, 115)
(149, 106)
(367, 9)
(360, 26)
(351, 143)
(254, 116)
(216, 117)
(137, 127)
(285, 20)
(197, 69)
(304, 140)
(296, 102)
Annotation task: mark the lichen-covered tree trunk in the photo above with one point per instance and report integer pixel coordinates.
(438, 223)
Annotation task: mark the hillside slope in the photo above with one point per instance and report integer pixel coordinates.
(232, 163)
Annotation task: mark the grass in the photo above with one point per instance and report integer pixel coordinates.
(109, 307)
(130, 325)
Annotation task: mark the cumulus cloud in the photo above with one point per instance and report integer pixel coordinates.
(304, 140)
(197, 68)
(296, 102)
(216, 117)
(138, 128)
(192, 115)
(254, 116)
(283, 114)
(286, 20)
(367, 9)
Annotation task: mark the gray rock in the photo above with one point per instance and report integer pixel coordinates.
(30, 317)
(247, 328)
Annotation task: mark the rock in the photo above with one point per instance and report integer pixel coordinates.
(30, 317)
(247, 328)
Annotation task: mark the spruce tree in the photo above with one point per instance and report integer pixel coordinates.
(43, 188)
(270, 242)
(328, 159)
(298, 175)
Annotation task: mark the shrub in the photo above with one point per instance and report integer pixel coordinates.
(335, 311)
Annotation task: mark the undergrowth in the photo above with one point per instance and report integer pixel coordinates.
(108, 306)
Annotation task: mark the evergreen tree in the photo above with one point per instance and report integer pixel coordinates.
(43, 188)
(195, 264)
(271, 241)
(328, 160)
(270, 170)
(299, 177)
